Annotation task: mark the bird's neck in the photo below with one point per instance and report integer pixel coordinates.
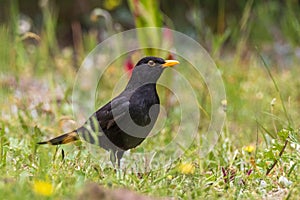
(136, 85)
(136, 82)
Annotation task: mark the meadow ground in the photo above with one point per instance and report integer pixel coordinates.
(257, 154)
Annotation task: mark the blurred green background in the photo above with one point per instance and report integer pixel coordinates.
(269, 25)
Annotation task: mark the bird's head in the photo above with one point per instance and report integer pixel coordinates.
(148, 70)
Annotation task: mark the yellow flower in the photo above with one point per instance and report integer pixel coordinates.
(187, 168)
(111, 4)
(249, 148)
(42, 188)
(169, 177)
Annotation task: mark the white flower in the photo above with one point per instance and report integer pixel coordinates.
(263, 184)
(283, 181)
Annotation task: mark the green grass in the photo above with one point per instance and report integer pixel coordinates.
(35, 94)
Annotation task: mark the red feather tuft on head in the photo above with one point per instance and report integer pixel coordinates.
(129, 66)
(170, 57)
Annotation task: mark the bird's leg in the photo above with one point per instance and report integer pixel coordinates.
(119, 155)
(115, 157)
(112, 156)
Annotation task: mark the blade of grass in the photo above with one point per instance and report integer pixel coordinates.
(276, 161)
(290, 122)
(268, 132)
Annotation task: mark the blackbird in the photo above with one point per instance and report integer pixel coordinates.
(124, 122)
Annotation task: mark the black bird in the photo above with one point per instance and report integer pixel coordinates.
(124, 122)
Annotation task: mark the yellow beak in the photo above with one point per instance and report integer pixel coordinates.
(170, 63)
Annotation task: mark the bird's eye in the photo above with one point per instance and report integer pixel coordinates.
(151, 63)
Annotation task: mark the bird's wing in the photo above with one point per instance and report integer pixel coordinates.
(104, 119)
(114, 110)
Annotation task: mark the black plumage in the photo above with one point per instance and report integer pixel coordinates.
(124, 122)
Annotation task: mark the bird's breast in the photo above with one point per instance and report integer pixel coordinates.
(144, 106)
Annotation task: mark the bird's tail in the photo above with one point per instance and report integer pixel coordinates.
(63, 139)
